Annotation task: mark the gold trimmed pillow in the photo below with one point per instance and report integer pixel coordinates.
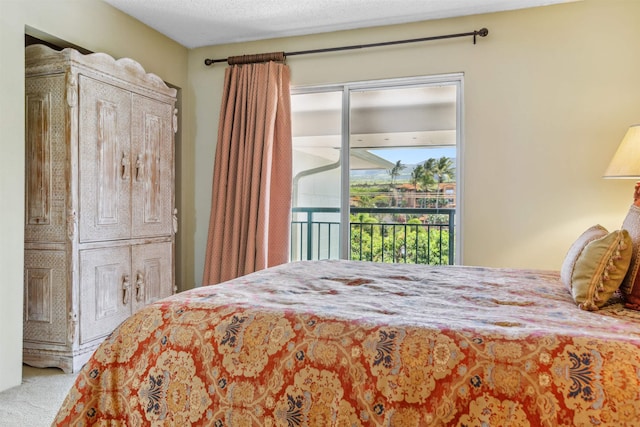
(600, 269)
(592, 233)
(630, 287)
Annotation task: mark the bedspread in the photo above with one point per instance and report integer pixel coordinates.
(353, 343)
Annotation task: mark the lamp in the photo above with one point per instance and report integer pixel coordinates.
(626, 164)
(626, 161)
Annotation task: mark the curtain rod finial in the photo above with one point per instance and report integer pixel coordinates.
(482, 32)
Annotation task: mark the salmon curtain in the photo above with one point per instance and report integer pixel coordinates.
(251, 197)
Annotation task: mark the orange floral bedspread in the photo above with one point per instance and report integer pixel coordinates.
(362, 344)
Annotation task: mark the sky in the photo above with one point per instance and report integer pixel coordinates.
(412, 156)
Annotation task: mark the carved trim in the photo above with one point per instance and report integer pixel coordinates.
(72, 89)
(175, 120)
(175, 220)
(41, 59)
(72, 224)
(73, 326)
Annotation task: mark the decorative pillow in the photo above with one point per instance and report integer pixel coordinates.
(600, 269)
(630, 286)
(591, 234)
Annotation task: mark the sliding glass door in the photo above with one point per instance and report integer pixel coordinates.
(376, 167)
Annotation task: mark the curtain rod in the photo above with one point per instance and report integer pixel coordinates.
(481, 32)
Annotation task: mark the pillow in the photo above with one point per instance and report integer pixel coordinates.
(600, 269)
(591, 234)
(630, 286)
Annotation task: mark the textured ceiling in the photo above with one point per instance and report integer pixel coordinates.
(196, 23)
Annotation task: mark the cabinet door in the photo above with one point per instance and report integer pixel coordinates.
(105, 161)
(46, 156)
(45, 296)
(152, 171)
(105, 291)
(153, 271)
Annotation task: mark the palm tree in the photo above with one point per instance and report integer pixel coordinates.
(427, 181)
(395, 171)
(443, 170)
(416, 175)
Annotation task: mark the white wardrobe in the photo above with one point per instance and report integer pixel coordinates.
(100, 215)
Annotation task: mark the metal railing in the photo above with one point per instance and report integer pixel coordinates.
(394, 235)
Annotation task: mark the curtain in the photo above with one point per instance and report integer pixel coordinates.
(251, 196)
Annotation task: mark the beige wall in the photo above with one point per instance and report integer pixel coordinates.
(93, 25)
(547, 97)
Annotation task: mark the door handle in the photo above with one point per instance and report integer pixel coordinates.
(124, 166)
(139, 168)
(140, 287)
(126, 286)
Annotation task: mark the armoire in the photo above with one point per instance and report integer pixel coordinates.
(100, 218)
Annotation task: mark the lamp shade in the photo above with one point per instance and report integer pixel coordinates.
(626, 161)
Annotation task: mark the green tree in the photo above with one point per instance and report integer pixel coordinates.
(427, 180)
(412, 243)
(443, 171)
(400, 238)
(395, 171)
(416, 175)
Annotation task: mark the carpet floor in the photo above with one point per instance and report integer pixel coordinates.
(36, 401)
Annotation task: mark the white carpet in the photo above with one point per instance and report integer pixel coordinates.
(36, 402)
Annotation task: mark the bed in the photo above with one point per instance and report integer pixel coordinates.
(349, 343)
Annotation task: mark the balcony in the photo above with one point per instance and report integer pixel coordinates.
(392, 235)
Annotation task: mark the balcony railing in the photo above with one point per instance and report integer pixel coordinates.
(393, 235)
